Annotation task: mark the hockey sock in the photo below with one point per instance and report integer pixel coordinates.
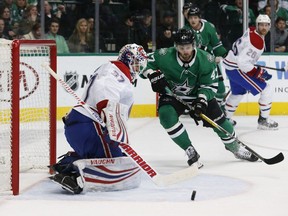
(228, 141)
(170, 121)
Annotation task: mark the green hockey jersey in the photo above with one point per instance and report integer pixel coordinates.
(189, 81)
(207, 38)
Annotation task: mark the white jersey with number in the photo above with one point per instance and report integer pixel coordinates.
(245, 52)
(111, 81)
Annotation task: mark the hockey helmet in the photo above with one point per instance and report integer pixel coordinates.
(187, 5)
(184, 36)
(262, 18)
(134, 57)
(194, 11)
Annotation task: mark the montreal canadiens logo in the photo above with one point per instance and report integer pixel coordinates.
(28, 82)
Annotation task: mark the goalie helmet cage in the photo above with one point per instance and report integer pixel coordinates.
(27, 109)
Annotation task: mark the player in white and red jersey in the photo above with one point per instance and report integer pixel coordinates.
(109, 92)
(245, 77)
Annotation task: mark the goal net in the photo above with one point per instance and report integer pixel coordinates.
(27, 109)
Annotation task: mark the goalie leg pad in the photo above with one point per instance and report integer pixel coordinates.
(109, 174)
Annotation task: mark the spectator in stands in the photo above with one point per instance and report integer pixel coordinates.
(61, 44)
(143, 30)
(81, 41)
(15, 29)
(235, 17)
(7, 3)
(165, 31)
(280, 11)
(33, 2)
(18, 9)
(2, 27)
(263, 3)
(125, 34)
(30, 17)
(34, 34)
(61, 14)
(267, 10)
(91, 31)
(281, 37)
(5, 15)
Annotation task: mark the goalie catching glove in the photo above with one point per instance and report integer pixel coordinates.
(158, 82)
(199, 107)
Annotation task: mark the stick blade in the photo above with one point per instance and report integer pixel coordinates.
(174, 178)
(278, 158)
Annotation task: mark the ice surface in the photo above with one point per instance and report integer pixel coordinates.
(225, 186)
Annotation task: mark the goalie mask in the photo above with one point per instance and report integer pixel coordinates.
(134, 57)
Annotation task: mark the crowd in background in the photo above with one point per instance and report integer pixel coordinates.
(72, 23)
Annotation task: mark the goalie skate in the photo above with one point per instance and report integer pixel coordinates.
(267, 124)
(193, 157)
(69, 182)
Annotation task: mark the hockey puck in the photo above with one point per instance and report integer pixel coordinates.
(193, 195)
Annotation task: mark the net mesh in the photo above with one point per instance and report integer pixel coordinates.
(34, 87)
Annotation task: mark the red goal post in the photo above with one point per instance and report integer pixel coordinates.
(27, 109)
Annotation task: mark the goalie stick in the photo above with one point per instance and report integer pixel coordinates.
(94, 114)
(160, 180)
(276, 159)
(156, 178)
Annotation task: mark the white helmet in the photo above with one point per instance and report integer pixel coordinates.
(134, 57)
(262, 18)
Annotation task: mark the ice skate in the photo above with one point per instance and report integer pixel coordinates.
(193, 157)
(240, 152)
(70, 182)
(267, 124)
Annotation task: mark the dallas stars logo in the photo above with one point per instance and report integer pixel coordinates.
(183, 88)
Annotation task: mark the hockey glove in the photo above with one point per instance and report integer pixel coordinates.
(199, 107)
(158, 82)
(262, 74)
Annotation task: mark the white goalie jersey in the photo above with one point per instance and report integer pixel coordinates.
(111, 81)
(245, 52)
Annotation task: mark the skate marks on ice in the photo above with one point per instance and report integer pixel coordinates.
(207, 186)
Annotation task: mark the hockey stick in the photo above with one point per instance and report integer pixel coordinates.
(276, 159)
(93, 114)
(160, 180)
(156, 178)
(271, 68)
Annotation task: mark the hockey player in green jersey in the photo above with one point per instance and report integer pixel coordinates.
(191, 74)
(207, 39)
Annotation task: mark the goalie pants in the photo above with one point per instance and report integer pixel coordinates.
(88, 138)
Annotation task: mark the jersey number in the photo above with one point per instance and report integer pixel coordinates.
(234, 46)
(251, 53)
(118, 76)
